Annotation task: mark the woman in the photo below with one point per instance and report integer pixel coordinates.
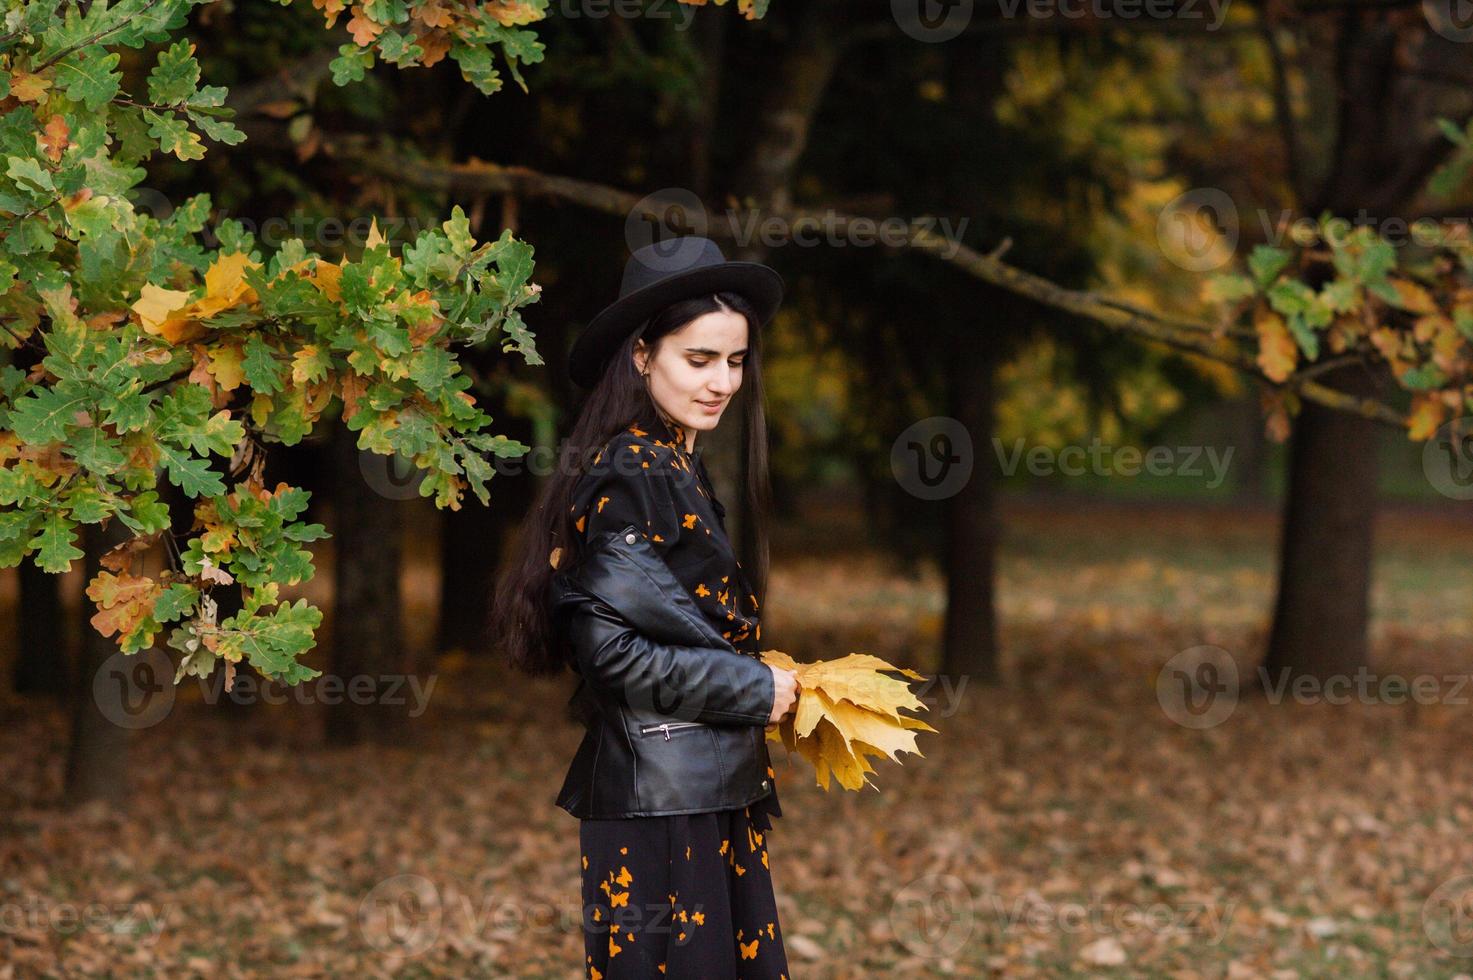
(626, 574)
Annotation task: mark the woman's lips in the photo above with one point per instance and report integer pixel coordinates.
(710, 407)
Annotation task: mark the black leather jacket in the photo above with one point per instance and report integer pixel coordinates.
(675, 716)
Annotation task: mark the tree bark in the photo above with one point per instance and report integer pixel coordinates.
(969, 643)
(1322, 613)
(43, 656)
(472, 543)
(367, 632)
(1251, 458)
(97, 758)
(800, 79)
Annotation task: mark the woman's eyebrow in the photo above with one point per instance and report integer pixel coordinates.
(710, 353)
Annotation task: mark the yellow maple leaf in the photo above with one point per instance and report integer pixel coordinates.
(847, 709)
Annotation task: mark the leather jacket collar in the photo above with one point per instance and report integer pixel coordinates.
(622, 569)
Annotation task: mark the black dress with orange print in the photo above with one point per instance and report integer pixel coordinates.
(687, 895)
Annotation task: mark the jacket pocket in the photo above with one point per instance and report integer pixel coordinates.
(666, 727)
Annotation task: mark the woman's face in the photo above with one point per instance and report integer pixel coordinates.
(696, 370)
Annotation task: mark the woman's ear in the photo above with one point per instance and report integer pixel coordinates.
(641, 356)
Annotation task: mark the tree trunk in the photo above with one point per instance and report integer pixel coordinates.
(710, 45)
(1323, 610)
(97, 758)
(43, 658)
(801, 76)
(969, 643)
(368, 652)
(800, 79)
(1251, 458)
(470, 542)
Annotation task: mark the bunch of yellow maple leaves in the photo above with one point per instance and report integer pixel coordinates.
(847, 709)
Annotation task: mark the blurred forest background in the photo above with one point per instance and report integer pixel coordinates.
(1067, 821)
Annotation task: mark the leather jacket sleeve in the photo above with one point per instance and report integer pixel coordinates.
(693, 683)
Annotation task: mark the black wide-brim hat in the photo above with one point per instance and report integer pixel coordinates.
(662, 273)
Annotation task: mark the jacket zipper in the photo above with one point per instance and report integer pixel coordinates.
(666, 726)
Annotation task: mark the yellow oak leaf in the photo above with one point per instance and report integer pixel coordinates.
(513, 13)
(1277, 352)
(1414, 298)
(157, 310)
(27, 87)
(225, 284)
(225, 366)
(310, 363)
(1426, 415)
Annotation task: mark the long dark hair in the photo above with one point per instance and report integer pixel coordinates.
(518, 622)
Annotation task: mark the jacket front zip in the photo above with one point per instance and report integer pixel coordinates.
(666, 726)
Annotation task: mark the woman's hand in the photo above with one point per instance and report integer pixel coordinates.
(784, 692)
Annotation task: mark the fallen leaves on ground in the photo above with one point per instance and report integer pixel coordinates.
(1063, 826)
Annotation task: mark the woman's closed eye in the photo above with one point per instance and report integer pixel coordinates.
(701, 364)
